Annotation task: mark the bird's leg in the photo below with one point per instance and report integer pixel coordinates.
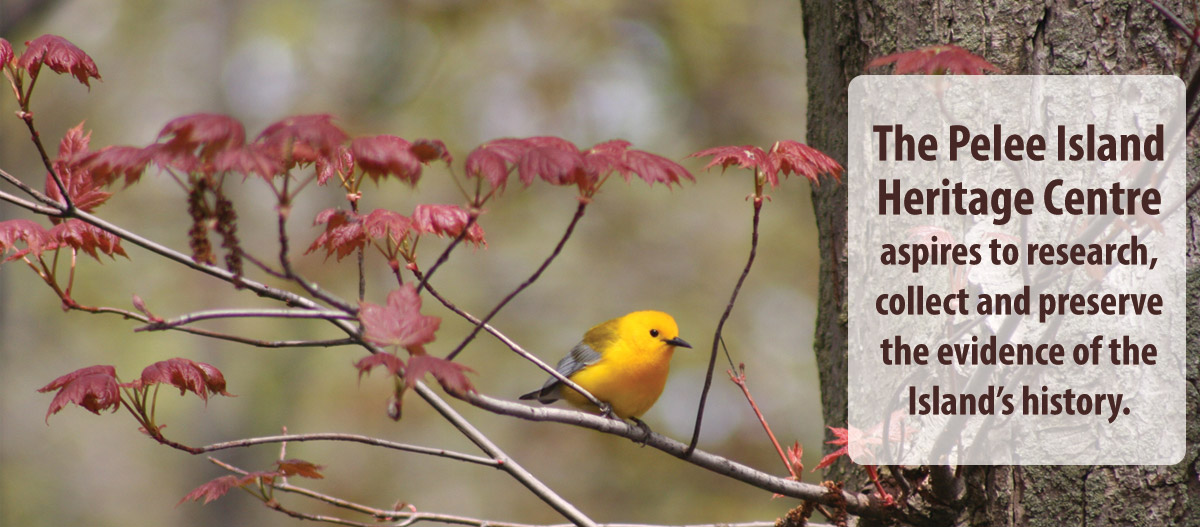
(645, 428)
(606, 410)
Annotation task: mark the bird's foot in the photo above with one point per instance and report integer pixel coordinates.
(606, 410)
(645, 428)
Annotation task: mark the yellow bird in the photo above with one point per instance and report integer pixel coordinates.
(623, 362)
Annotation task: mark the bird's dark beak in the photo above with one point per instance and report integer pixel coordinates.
(678, 342)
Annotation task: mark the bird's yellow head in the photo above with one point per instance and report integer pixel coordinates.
(651, 330)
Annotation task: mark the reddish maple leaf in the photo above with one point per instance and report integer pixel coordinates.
(113, 162)
(383, 155)
(34, 236)
(6, 53)
(212, 490)
(304, 139)
(382, 224)
(59, 55)
(794, 157)
(427, 150)
(95, 388)
(399, 323)
(842, 439)
(749, 156)
(84, 190)
(794, 455)
(208, 132)
(299, 467)
(249, 159)
(446, 220)
(493, 160)
(552, 164)
(86, 237)
(936, 60)
(653, 168)
(394, 364)
(339, 164)
(189, 376)
(343, 233)
(451, 375)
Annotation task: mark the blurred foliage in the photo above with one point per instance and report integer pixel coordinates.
(672, 77)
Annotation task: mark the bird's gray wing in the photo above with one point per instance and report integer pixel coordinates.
(580, 357)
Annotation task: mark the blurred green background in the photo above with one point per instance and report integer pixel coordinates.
(672, 77)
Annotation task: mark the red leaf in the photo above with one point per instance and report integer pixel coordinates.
(86, 237)
(748, 156)
(451, 375)
(794, 455)
(213, 489)
(384, 224)
(84, 190)
(841, 437)
(399, 323)
(187, 375)
(936, 60)
(95, 388)
(393, 363)
(656, 169)
(112, 162)
(59, 55)
(382, 155)
(35, 237)
(793, 157)
(554, 163)
(493, 160)
(446, 220)
(6, 53)
(428, 150)
(211, 133)
(249, 159)
(339, 164)
(299, 467)
(303, 138)
(343, 233)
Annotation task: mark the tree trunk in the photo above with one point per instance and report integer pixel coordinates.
(1055, 37)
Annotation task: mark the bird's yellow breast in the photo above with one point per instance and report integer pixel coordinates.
(628, 377)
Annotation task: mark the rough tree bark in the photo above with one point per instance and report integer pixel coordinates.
(1051, 37)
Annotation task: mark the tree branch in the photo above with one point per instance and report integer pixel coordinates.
(352, 438)
(244, 313)
(532, 278)
(859, 504)
(712, 359)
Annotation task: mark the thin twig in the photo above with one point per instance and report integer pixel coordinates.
(27, 117)
(712, 359)
(740, 380)
(512, 345)
(352, 438)
(532, 278)
(28, 205)
(244, 313)
(442, 258)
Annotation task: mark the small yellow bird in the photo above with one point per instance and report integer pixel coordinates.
(623, 362)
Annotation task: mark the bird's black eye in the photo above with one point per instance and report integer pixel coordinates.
(654, 333)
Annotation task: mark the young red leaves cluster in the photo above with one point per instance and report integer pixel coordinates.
(784, 157)
(219, 487)
(559, 162)
(71, 233)
(941, 59)
(96, 388)
(54, 52)
(346, 231)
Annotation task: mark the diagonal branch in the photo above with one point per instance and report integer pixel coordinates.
(353, 438)
(712, 359)
(532, 278)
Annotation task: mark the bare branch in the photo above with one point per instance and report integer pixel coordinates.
(507, 464)
(26, 204)
(353, 438)
(244, 313)
(532, 278)
(859, 504)
(712, 359)
(514, 346)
